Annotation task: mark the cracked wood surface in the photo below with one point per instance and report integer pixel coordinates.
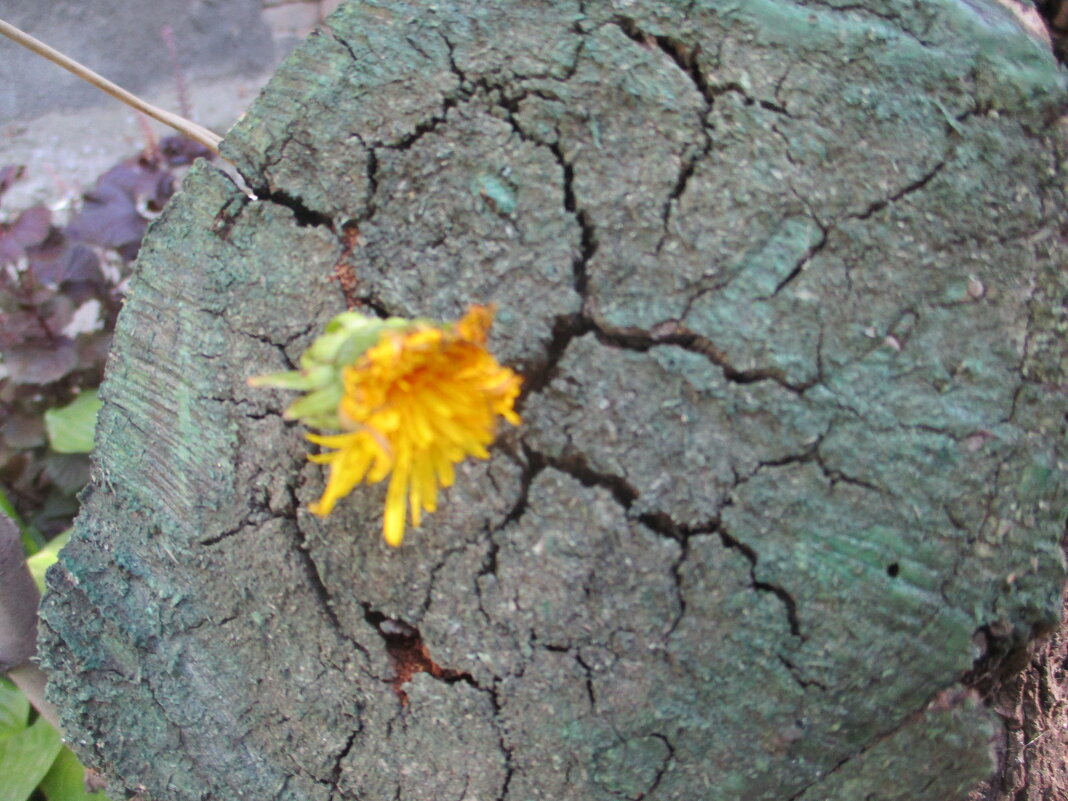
(784, 281)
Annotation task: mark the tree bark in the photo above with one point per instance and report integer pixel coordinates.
(785, 283)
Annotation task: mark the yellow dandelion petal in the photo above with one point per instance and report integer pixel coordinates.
(383, 464)
(425, 488)
(443, 467)
(418, 401)
(421, 493)
(393, 523)
(330, 440)
(475, 325)
(348, 466)
(417, 422)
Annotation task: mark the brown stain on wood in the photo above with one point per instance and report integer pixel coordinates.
(344, 271)
(409, 656)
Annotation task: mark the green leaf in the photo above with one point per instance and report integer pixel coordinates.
(70, 428)
(32, 540)
(14, 709)
(66, 780)
(45, 558)
(25, 758)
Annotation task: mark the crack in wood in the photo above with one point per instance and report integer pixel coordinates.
(409, 654)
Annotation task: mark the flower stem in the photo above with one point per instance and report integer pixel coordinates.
(208, 138)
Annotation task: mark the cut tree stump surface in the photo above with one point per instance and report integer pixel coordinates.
(785, 282)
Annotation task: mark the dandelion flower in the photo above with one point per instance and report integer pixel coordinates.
(414, 404)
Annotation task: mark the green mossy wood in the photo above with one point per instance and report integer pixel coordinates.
(785, 282)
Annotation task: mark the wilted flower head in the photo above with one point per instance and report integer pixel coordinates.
(412, 399)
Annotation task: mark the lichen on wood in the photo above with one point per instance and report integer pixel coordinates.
(783, 282)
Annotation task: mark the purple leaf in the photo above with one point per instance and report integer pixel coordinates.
(40, 364)
(9, 174)
(108, 218)
(10, 250)
(68, 471)
(93, 351)
(177, 150)
(23, 431)
(71, 263)
(111, 214)
(20, 326)
(57, 312)
(18, 600)
(30, 228)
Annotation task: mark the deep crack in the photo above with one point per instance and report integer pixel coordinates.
(795, 674)
(588, 233)
(538, 374)
(915, 186)
(788, 602)
(676, 575)
(591, 693)
(806, 257)
(305, 217)
(651, 789)
(673, 332)
(684, 56)
(506, 749)
(576, 466)
(531, 464)
(311, 570)
(658, 520)
(425, 126)
(409, 654)
(686, 59)
(335, 771)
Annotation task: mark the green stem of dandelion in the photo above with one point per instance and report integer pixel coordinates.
(198, 133)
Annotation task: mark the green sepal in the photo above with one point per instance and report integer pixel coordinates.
(317, 409)
(304, 380)
(346, 338)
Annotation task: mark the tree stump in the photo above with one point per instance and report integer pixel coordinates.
(784, 280)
